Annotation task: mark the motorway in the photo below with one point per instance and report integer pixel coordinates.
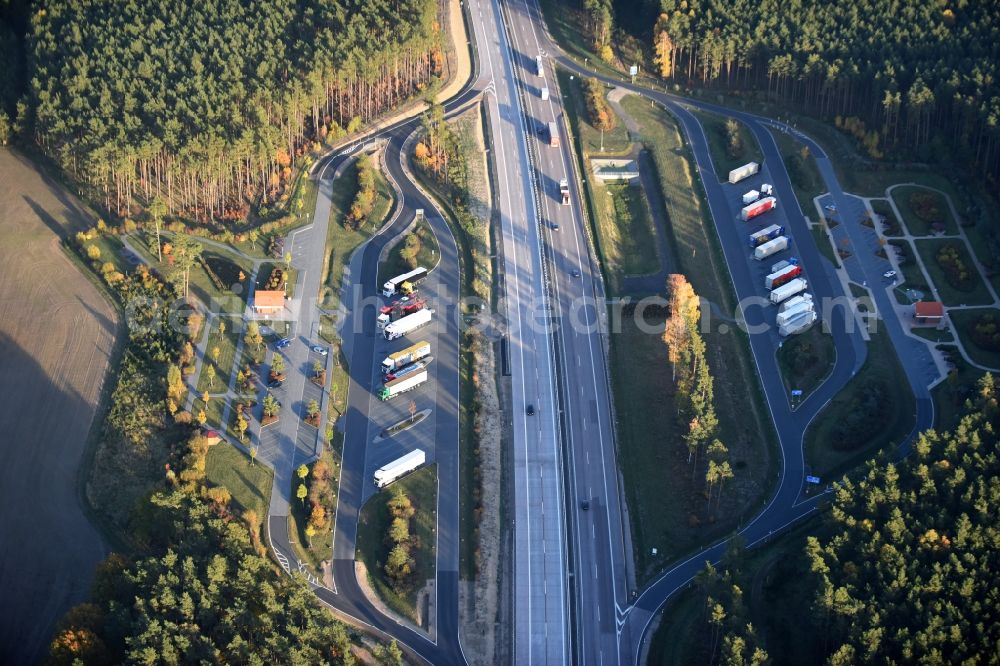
(787, 505)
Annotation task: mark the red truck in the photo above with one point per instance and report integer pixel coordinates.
(758, 207)
(783, 276)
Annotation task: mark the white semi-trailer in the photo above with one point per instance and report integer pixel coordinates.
(791, 313)
(406, 356)
(745, 171)
(750, 197)
(408, 382)
(792, 302)
(797, 325)
(399, 468)
(396, 284)
(796, 286)
(764, 251)
(407, 324)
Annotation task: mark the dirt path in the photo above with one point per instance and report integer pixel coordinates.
(56, 336)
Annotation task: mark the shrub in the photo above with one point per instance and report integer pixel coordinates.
(926, 206)
(949, 258)
(985, 332)
(599, 114)
(862, 418)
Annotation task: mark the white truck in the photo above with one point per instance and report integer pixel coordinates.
(796, 286)
(766, 190)
(796, 311)
(745, 171)
(407, 324)
(797, 325)
(406, 356)
(396, 284)
(750, 197)
(399, 468)
(564, 191)
(408, 382)
(792, 302)
(538, 66)
(764, 251)
(545, 94)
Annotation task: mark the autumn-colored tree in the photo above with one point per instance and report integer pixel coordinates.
(253, 336)
(663, 46)
(241, 428)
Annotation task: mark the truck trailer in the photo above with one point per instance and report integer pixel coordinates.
(793, 302)
(399, 283)
(398, 468)
(411, 354)
(773, 246)
(394, 387)
(750, 197)
(545, 94)
(745, 171)
(788, 290)
(766, 234)
(553, 135)
(408, 324)
(783, 276)
(564, 191)
(395, 312)
(407, 370)
(758, 208)
(797, 325)
(791, 313)
(784, 263)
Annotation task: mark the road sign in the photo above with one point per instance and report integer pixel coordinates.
(812, 479)
(796, 392)
(633, 70)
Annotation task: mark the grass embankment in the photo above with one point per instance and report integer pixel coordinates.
(341, 239)
(373, 546)
(950, 395)
(779, 598)
(223, 362)
(972, 291)
(934, 209)
(964, 321)
(876, 399)
(806, 360)
(933, 334)
(250, 485)
(801, 166)
(913, 277)
(319, 549)
(427, 253)
(723, 158)
(668, 507)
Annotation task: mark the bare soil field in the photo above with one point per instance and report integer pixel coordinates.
(56, 337)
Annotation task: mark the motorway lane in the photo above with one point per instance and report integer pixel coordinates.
(598, 540)
(786, 505)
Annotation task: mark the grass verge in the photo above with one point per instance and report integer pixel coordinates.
(964, 321)
(674, 521)
(615, 141)
(896, 409)
(319, 549)
(913, 277)
(223, 363)
(723, 158)
(427, 252)
(372, 548)
(917, 225)
(822, 238)
(806, 360)
(950, 395)
(250, 485)
(892, 226)
(801, 166)
(932, 334)
(975, 292)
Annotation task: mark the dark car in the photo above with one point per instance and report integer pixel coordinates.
(274, 383)
(585, 505)
(554, 226)
(531, 410)
(575, 273)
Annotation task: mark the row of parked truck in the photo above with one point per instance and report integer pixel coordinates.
(404, 370)
(785, 282)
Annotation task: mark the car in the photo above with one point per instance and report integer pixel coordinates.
(889, 275)
(585, 505)
(554, 226)
(322, 351)
(275, 383)
(575, 273)
(531, 410)
(831, 208)
(282, 343)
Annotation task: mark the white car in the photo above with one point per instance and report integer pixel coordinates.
(322, 351)
(889, 275)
